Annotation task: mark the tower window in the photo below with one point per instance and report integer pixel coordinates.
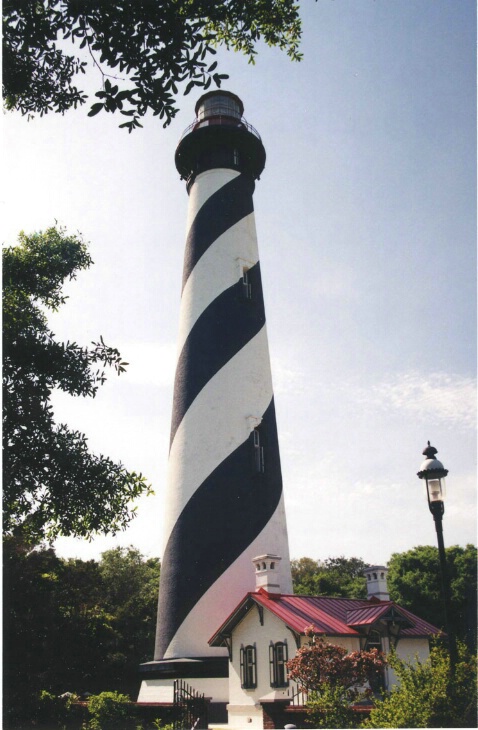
(278, 657)
(258, 452)
(248, 667)
(236, 156)
(246, 284)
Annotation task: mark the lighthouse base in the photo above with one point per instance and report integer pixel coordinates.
(206, 675)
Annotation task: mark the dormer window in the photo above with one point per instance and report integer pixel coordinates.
(374, 641)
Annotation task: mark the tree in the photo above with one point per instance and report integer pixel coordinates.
(52, 484)
(148, 47)
(337, 576)
(414, 581)
(74, 625)
(129, 592)
(424, 696)
(332, 679)
(56, 631)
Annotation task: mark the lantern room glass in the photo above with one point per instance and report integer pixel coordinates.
(219, 105)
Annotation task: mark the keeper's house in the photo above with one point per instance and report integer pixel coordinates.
(267, 627)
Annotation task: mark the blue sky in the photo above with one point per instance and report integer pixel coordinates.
(366, 219)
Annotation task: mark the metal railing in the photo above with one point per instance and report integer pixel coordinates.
(298, 696)
(221, 119)
(191, 707)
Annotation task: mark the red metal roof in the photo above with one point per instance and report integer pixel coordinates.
(299, 612)
(367, 614)
(339, 615)
(329, 616)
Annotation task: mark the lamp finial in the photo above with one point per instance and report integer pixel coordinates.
(429, 451)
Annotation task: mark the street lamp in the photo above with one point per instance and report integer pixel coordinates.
(434, 474)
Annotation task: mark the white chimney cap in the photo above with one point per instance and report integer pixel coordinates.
(266, 572)
(377, 582)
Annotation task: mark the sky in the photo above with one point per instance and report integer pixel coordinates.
(366, 221)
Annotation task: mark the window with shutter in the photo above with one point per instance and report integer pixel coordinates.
(278, 658)
(248, 667)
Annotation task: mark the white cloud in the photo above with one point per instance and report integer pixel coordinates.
(443, 397)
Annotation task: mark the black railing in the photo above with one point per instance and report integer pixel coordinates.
(190, 707)
(224, 120)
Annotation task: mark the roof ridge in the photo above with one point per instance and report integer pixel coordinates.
(332, 598)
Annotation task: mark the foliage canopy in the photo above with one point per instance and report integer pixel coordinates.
(147, 47)
(337, 576)
(414, 581)
(74, 625)
(53, 485)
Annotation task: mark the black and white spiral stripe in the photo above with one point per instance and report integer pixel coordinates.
(220, 513)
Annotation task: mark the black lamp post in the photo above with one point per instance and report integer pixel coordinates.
(434, 474)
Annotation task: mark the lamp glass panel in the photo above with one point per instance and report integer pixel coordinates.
(436, 489)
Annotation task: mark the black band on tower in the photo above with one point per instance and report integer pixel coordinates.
(223, 329)
(230, 204)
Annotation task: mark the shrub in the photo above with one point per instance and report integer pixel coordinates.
(50, 710)
(330, 707)
(426, 695)
(110, 711)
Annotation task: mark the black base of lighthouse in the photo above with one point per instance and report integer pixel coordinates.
(184, 668)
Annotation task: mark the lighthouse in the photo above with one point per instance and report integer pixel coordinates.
(224, 499)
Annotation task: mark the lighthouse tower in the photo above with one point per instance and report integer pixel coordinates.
(224, 503)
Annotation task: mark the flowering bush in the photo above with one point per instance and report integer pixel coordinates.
(334, 679)
(320, 662)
